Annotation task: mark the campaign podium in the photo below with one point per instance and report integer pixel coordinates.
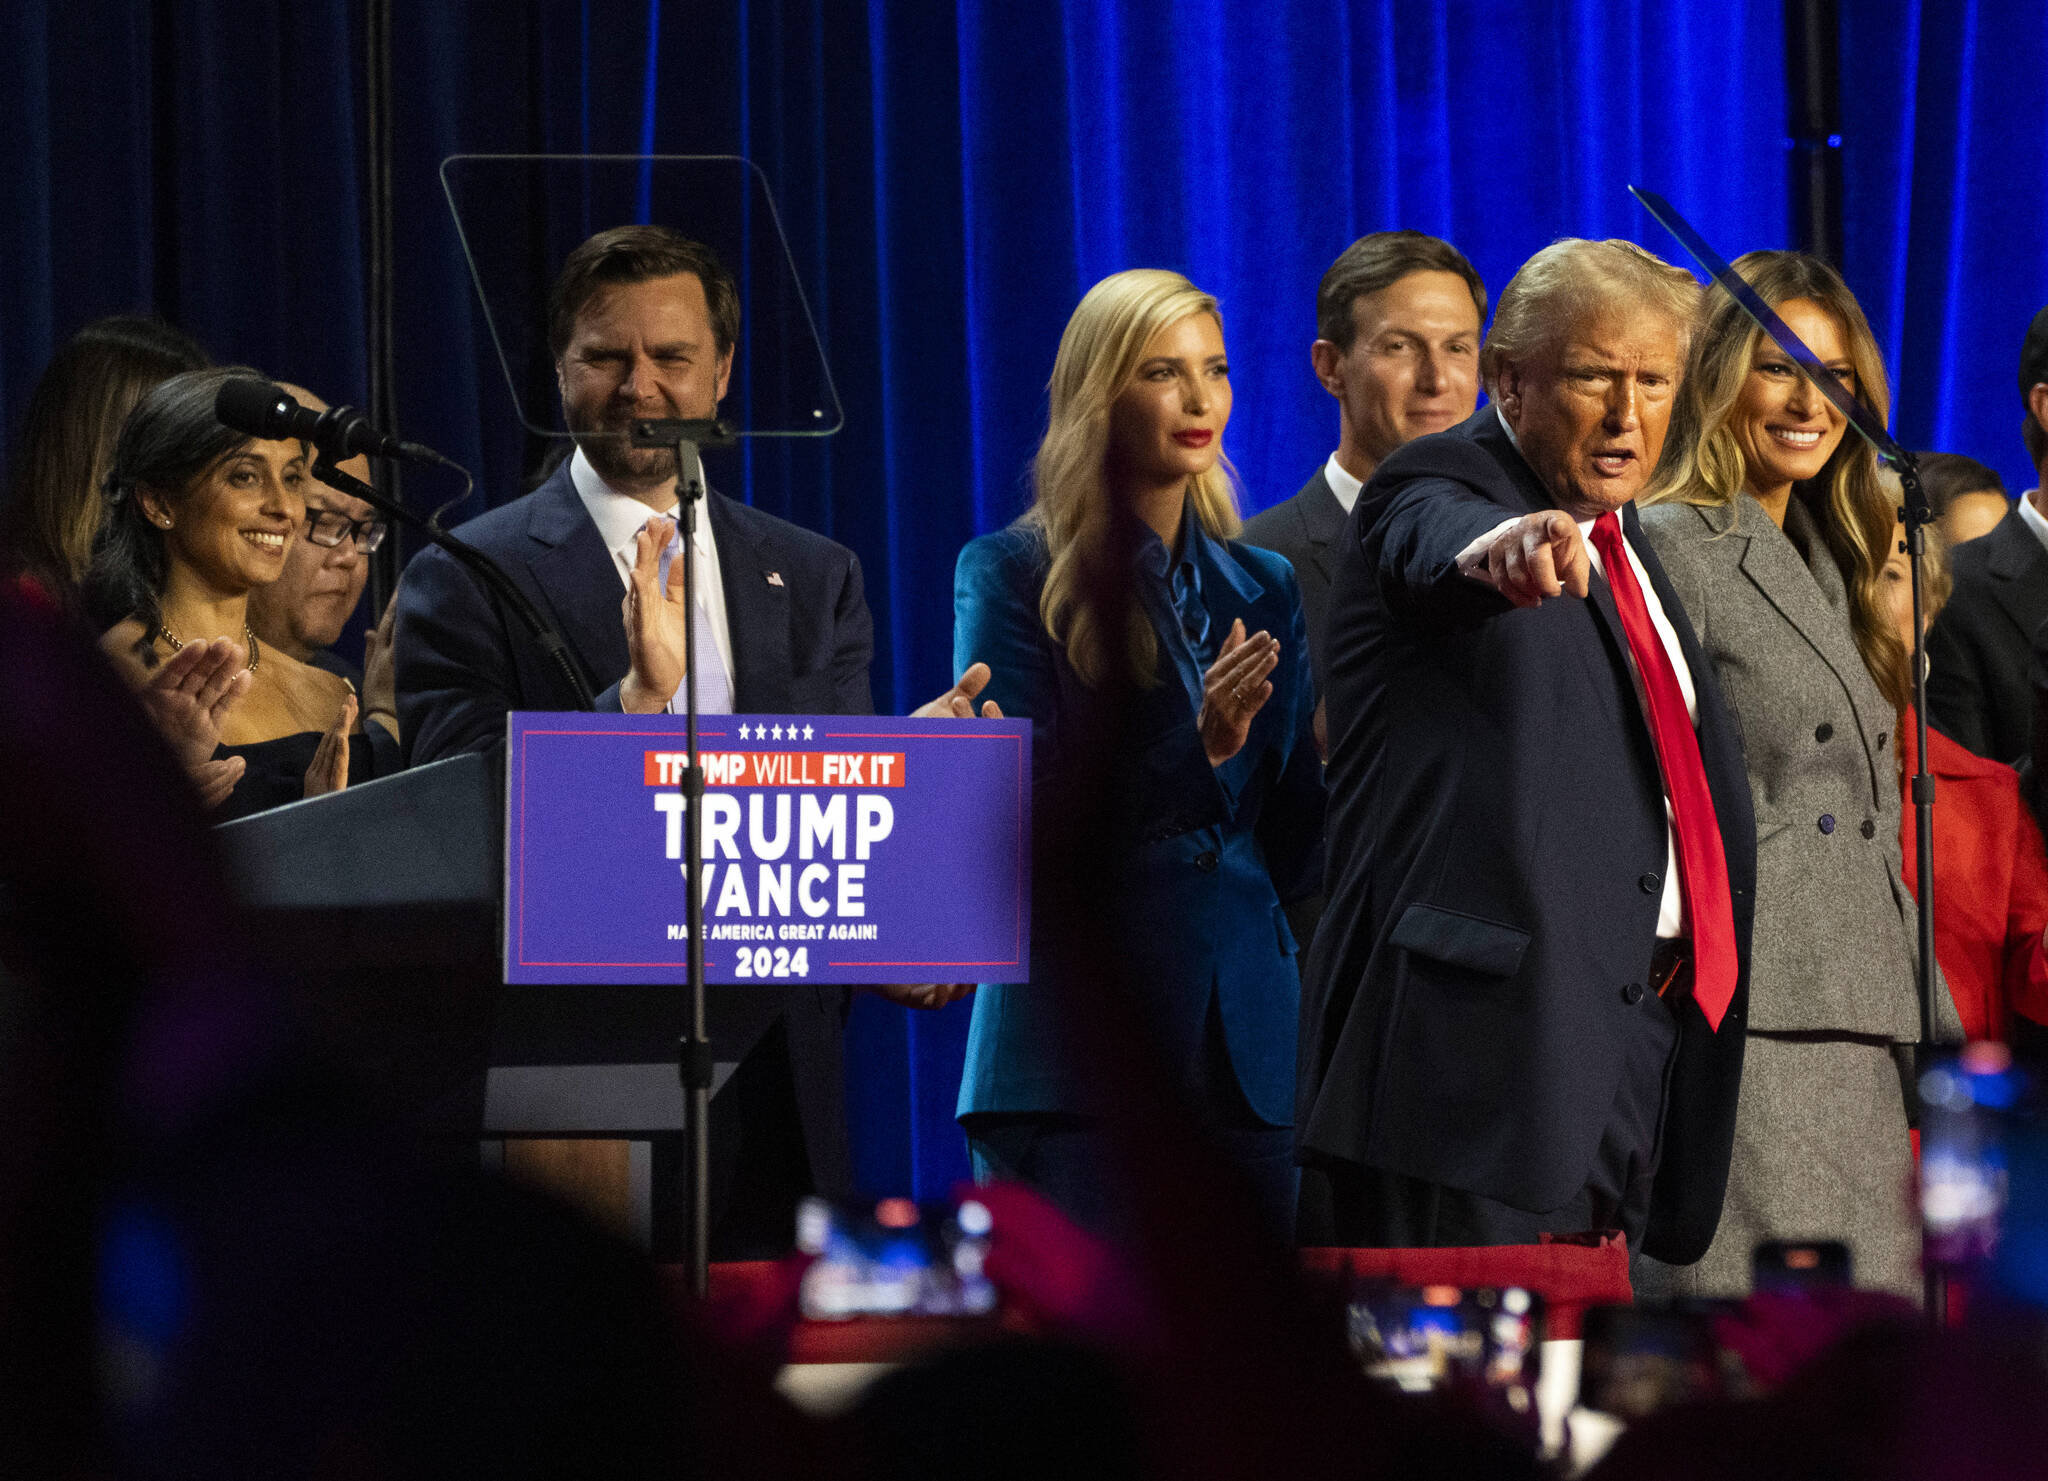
(380, 908)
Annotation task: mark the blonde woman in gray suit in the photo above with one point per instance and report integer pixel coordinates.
(1774, 528)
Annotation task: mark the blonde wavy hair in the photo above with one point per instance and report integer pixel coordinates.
(1703, 464)
(1087, 604)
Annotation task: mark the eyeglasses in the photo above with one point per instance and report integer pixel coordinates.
(327, 527)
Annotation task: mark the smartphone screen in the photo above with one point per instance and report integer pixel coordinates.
(1420, 1338)
(894, 1258)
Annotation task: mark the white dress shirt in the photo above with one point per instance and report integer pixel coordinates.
(1342, 484)
(1671, 906)
(2032, 517)
(619, 518)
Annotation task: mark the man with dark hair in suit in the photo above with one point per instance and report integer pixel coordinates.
(1398, 317)
(1523, 1014)
(1978, 648)
(642, 322)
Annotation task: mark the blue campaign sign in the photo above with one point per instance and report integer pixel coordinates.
(837, 849)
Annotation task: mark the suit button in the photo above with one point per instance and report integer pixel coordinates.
(1823, 732)
(1881, 739)
(1206, 861)
(1632, 994)
(1827, 822)
(1650, 883)
(1869, 829)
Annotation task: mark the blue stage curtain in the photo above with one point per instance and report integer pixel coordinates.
(1945, 230)
(951, 179)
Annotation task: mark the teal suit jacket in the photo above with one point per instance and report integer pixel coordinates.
(1200, 857)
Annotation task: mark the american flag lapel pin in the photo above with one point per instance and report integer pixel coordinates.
(775, 578)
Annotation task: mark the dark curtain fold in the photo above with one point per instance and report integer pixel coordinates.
(951, 178)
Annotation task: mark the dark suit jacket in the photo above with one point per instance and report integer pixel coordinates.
(1306, 529)
(1199, 856)
(800, 645)
(1978, 648)
(1496, 849)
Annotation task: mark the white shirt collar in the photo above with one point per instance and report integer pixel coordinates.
(1341, 483)
(618, 516)
(2033, 518)
(1506, 428)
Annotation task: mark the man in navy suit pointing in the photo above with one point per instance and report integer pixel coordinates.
(1524, 1010)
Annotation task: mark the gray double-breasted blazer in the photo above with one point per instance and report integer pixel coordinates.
(1834, 944)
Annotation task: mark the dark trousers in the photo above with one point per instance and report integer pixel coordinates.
(1370, 1208)
(1071, 1158)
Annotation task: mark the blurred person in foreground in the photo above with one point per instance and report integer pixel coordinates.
(1968, 497)
(1524, 1011)
(1990, 870)
(306, 609)
(1770, 517)
(1121, 616)
(66, 442)
(1979, 688)
(201, 516)
(1398, 320)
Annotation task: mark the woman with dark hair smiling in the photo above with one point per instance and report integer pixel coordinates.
(201, 516)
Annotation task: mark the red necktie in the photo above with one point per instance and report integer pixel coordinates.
(1702, 862)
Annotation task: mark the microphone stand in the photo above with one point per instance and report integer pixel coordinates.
(1916, 516)
(693, 1048)
(479, 565)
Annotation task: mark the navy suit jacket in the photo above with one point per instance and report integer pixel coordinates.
(801, 634)
(1195, 852)
(1980, 646)
(801, 643)
(1497, 846)
(1307, 529)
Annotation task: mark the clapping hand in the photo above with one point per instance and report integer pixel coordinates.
(1234, 690)
(187, 696)
(329, 771)
(655, 631)
(380, 670)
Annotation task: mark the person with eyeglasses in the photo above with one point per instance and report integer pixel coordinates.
(198, 518)
(305, 610)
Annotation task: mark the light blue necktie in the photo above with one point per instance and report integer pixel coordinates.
(714, 684)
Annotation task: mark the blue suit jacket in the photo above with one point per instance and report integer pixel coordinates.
(800, 644)
(1198, 851)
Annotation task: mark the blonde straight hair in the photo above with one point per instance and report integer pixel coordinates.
(1087, 604)
(1703, 464)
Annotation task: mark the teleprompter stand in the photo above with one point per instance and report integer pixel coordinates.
(682, 437)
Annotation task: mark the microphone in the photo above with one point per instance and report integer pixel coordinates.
(258, 408)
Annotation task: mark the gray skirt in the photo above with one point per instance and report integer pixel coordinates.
(1821, 1152)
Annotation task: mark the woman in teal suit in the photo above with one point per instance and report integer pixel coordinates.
(1165, 670)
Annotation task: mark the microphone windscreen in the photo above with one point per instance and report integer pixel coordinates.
(255, 408)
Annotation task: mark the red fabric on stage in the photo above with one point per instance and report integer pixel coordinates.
(1569, 1277)
(1990, 884)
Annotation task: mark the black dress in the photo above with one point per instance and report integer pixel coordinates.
(276, 772)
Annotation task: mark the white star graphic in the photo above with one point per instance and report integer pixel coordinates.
(778, 732)
(807, 732)
(743, 732)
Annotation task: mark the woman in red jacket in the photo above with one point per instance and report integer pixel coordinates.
(1990, 868)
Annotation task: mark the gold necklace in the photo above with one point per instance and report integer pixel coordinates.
(255, 653)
